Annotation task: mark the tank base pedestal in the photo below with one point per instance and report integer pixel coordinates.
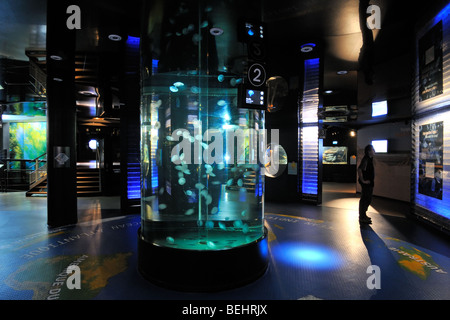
(202, 270)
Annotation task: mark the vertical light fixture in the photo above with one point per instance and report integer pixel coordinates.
(309, 130)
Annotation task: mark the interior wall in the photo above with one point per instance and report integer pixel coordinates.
(345, 173)
(392, 170)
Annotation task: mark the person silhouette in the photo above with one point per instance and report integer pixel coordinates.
(366, 178)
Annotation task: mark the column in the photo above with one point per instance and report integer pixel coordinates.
(61, 117)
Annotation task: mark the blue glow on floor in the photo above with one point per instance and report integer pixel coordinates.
(307, 255)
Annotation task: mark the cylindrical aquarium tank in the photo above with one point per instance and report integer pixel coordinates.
(202, 181)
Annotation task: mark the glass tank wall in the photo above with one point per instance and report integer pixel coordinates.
(202, 183)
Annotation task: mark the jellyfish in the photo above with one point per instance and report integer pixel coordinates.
(170, 240)
(237, 224)
(199, 186)
(222, 226)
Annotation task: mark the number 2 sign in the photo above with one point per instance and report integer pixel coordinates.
(256, 75)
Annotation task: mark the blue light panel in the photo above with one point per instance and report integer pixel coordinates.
(442, 14)
(134, 181)
(309, 130)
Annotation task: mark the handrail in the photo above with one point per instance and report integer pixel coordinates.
(39, 77)
(40, 156)
(28, 173)
(39, 173)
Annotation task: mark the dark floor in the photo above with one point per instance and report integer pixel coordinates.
(315, 253)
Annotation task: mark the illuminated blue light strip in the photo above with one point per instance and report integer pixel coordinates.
(310, 160)
(133, 42)
(442, 15)
(133, 165)
(133, 181)
(309, 134)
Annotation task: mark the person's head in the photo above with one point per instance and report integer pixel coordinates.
(369, 151)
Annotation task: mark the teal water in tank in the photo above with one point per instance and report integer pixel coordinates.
(202, 186)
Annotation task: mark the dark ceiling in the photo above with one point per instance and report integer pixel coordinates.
(333, 24)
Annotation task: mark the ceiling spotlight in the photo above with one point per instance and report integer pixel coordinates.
(342, 72)
(216, 31)
(307, 47)
(328, 91)
(58, 79)
(114, 37)
(56, 58)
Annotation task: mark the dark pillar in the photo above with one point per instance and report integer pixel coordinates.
(61, 117)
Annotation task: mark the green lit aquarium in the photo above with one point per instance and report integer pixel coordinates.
(202, 176)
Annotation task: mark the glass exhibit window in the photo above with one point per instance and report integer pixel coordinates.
(432, 147)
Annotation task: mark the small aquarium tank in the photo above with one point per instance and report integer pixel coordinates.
(202, 181)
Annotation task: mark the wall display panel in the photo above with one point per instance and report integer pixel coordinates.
(432, 82)
(431, 159)
(27, 140)
(334, 155)
(432, 154)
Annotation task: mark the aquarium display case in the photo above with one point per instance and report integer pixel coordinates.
(202, 182)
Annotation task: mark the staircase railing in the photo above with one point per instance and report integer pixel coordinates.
(40, 170)
(39, 79)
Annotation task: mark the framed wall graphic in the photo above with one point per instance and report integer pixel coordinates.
(432, 167)
(431, 159)
(430, 63)
(432, 75)
(334, 155)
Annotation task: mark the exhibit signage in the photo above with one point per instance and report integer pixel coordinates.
(431, 147)
(430, 63)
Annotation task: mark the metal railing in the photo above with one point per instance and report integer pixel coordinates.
(39, 79)
(21, 174)
(40, 170)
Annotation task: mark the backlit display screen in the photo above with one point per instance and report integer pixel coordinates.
(380, 146)
(255, 97)
(379, 108)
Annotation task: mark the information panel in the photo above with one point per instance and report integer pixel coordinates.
(432, 154)
(432, 82)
